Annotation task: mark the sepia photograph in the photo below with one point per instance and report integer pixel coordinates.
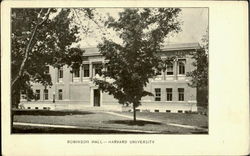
(109, 70)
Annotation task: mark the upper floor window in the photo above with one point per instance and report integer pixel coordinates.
(169, 94)
(60, 94)
(170, 69)
(97, 69)
(76, 72)
(181, 94)
(181, 68)
(37, 94)
(45, 94)
(60, 74)
(85, 70)
(157, 94)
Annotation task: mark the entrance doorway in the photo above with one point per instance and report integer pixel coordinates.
(96, 98)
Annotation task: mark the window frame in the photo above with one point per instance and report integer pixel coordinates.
(157, 94)
(181, 67)
(86, 68)
(172, 69)
(169, 94)
(97, 67)
(37, 94)
(60, 94)
(76, 70)
(181, 94)
(60, 73)
(45, 94)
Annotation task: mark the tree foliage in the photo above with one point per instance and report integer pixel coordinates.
(40, 37)
(200, 73)
(133, 62)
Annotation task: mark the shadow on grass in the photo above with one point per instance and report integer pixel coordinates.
(132, 123)
(50, 112)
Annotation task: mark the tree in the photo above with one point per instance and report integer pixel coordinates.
(200, 73)
(132, 63)
(41, 37)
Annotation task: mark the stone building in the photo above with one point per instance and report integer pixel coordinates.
(76, 90)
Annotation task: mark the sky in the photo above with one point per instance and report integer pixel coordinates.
(195, 24)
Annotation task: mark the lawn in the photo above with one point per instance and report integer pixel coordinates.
(177, 118)
(101, 122)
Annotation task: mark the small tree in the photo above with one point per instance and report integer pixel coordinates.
(133, 62)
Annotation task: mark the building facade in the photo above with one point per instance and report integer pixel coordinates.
(76, 90)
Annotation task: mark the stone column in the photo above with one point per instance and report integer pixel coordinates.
(164, 75)
(81, 74)
(175, 69)
(90, 70)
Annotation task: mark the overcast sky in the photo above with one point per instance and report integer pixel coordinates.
(195, 23)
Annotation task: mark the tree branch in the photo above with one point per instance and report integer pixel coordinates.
(27, 49)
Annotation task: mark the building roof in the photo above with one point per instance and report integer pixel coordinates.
(93, 51)
(180, 46)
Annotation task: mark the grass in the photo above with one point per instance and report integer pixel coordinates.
(99, 122)
(35, 130)
(177, 118)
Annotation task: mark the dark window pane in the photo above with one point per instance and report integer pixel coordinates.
(60, 94)
(46, 94)
(169, 94)
(181, 94)
(76, 72)
(181, 68)
(170, 69)
(61, 73)
(85, 70)
(157, 94)
(37, 94)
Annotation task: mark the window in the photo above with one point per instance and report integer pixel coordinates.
(85, 70)
(169, 94)
(76, 72)
(45, 94)
(37, 94)
(157, 94)
(60, 73)
(170, 69)
(181, 68)
(60, 94)
(98, 69)
(181, 94)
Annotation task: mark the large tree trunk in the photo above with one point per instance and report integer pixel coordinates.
(134, 111)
